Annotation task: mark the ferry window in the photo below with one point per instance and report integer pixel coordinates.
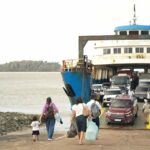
(133, 32)
(123, 33)
(144, 32)
(148, 50)
(106, 51)
(127, 50)
(117, 50)
(139, 50)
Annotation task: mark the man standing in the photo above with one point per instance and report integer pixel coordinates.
(95, 111)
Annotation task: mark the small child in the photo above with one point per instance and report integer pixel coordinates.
(35, 128)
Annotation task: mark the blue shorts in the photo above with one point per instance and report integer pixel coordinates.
(81, 123)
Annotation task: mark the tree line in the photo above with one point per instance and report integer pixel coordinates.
(30, 66)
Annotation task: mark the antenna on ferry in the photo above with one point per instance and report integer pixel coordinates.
(134, 17)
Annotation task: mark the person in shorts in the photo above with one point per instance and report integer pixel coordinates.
(35, 128)
(81, 120)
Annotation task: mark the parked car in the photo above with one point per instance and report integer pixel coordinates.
(109, 94)
(106, 85)
(144, 82)
(123, 109)
(141, 93)
(121, 80)
(97, 88)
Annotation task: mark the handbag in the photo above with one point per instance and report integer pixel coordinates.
(85, 111)
(43, 118)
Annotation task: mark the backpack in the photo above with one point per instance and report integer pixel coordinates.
(49, 113)
(95, 110)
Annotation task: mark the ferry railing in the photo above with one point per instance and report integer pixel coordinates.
(77, 65)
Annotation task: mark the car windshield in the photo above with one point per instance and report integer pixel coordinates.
(141, 89)
(115, 92)
(120, 80)
(116, 103)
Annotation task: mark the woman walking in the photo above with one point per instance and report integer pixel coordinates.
(49, 110)
(81, 120)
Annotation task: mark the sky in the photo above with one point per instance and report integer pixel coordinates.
(48, 30)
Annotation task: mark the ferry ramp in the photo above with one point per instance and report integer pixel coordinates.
(138, 124)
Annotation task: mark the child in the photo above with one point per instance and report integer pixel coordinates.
(35, 128)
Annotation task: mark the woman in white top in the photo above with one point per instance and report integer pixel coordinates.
(77, 111)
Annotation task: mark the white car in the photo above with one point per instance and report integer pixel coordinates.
(97, 89)
(144, 82)
(109, 94)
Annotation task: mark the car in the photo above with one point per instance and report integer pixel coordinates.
(96, 88)
(109, 94)
(141, 93)
(123, 109)
(121, 80)
(144, 82)
(106, 85)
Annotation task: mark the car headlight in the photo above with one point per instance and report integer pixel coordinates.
(128, 114)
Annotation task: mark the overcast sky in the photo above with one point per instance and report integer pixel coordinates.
(48, 30)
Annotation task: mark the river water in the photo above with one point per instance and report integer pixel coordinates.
(26, 92)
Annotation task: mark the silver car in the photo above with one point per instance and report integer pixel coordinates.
(141, 93)
(109, 94)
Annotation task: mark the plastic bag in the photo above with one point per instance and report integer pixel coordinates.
(91, 131)
(72, 130)
(58, 118)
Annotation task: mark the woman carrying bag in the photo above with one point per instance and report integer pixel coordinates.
(79, 110)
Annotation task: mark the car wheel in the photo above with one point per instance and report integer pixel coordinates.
(136, 115)
(108, 123)
(104, 105)
(132, 122)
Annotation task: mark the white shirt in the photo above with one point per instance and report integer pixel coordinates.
(35, 125)
(89, 104)
(148, 95)
(78, 108)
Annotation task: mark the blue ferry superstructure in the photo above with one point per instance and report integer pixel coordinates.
(128, 48)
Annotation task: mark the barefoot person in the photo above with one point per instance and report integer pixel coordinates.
(77, 111)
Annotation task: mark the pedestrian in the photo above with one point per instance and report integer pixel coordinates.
(130, 92)
(148, 95)
(35, 128)
(146, 111)
(49, 111)
(81, 120)
(95, 116)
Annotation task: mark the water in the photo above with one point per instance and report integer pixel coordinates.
(26, 92)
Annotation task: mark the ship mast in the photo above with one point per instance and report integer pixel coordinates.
(134, 17)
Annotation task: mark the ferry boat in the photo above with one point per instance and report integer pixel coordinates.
(128, 48)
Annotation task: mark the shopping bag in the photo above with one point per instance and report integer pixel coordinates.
(91, 131)
(58, 118)
(73, 131)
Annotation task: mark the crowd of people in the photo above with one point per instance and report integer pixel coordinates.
(48, 115)
(78, 114)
